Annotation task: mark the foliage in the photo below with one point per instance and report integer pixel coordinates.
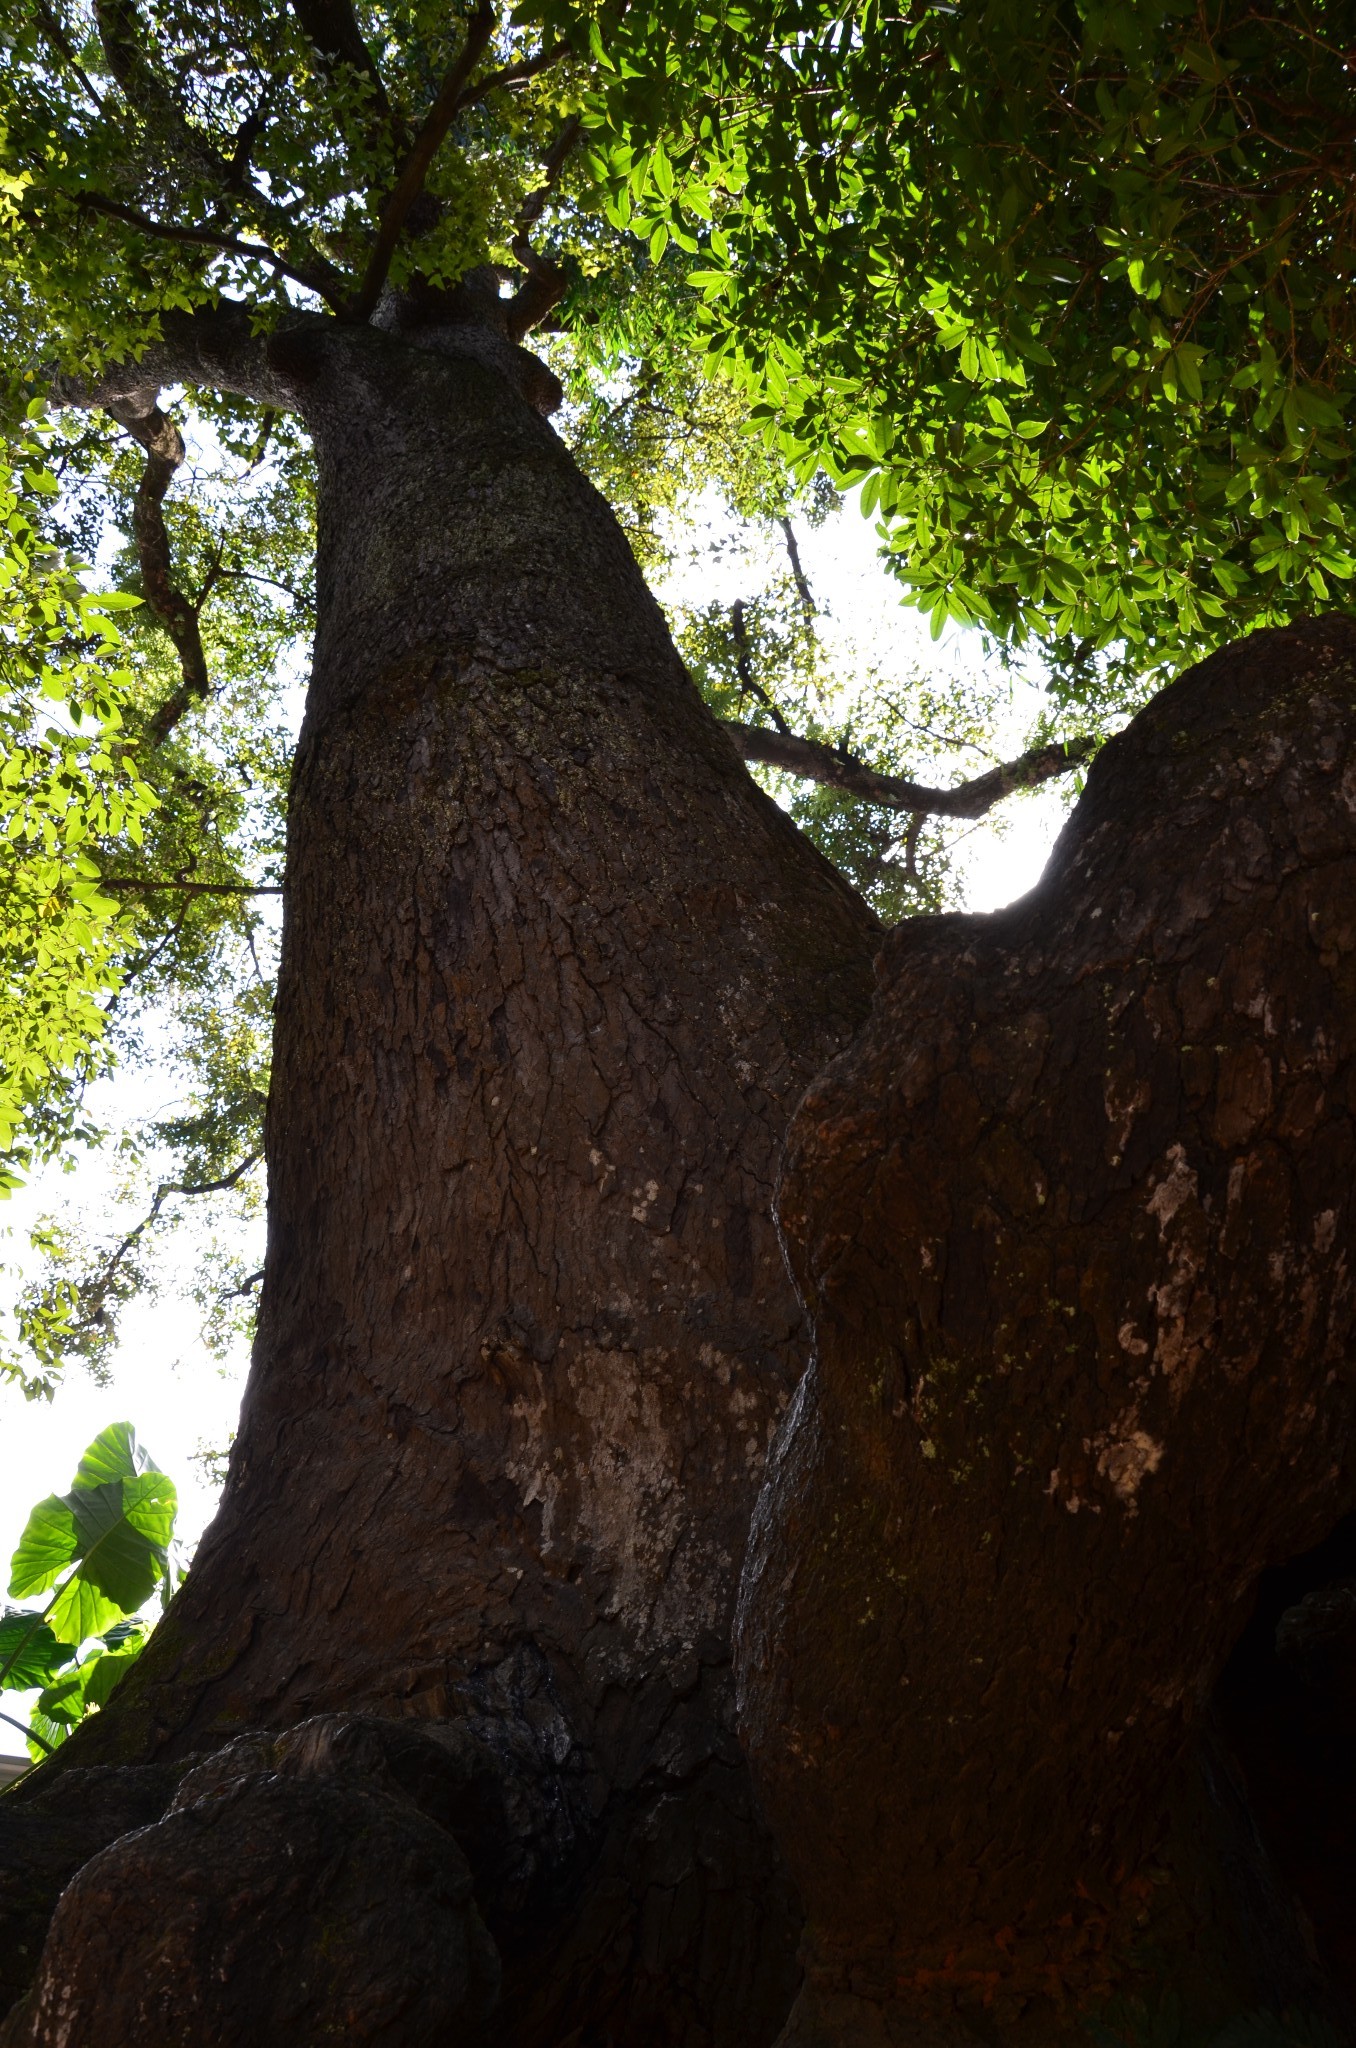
(1081, 318)
(69, 788)
(100, 1551)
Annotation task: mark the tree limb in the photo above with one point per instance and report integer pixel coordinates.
(153, 885)
(748, 681)
(321, 278)
(837, 769)
(418, 161)
(545, 283)
(218, 346)
(331, 28)
(164, 447)
(807, 603)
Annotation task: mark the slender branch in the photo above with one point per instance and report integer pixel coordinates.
(56, 35)
(837, 769)
(30, 1734)
(154, 884)
(807, 603)
(749, 683)
(515, 74)
(544, 286)
(164, 447)
(321, 278)
(95, 1292)
(417, 163)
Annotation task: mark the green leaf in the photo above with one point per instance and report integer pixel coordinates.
(51, 1539)
(80, 1610)
(124, 1528)
(114, 1454)
(37, 1654)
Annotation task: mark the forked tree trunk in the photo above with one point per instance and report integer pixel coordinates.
(1071, 1216)
(1074, 1217)
(554, 973)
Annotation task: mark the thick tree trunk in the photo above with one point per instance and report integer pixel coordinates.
(1074, 1217)
(554, 974)
(445, 1707)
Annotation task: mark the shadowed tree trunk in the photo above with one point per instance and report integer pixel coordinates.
(1074, 1219)
(446, 1698)
(554, 973)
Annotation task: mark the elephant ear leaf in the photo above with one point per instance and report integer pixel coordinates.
(29, 1652)
(70, 1696)
(124, 1527)
(50, 1541)
(114, 1454)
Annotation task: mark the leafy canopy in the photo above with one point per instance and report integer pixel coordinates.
(1068, 287)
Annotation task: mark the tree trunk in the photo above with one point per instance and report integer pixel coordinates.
(445, 1707)
(1074, 1218)
(554, 974)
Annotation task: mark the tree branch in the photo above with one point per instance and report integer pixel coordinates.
(331, 28)
(321, 278)
(218, 346)
(837, 769)
(417, 163)
(807, 603)
(517, 74)
(164, 447)
(544, 286)
(748, 681)
(153, 885)
(56, 35)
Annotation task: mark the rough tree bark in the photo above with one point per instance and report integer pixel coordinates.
(1074, 1219)
(554, 974)
(445, 1708)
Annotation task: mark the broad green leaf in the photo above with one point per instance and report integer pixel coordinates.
(37, 1654)
(114, 1454)
(124, 1527)
(80, 1610)
(51, 1539)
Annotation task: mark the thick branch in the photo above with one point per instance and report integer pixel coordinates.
(219, 347)
(331, 27)
(836, 768)
(416, 166)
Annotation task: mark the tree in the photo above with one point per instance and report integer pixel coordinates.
(451, 1672)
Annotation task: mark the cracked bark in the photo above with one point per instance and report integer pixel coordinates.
(1071, 1215)
(525, 1330)
(1073, 1219)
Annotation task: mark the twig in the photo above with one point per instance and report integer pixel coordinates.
(749, 683)
(323, 281)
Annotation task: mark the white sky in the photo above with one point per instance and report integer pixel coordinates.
(163, 1380)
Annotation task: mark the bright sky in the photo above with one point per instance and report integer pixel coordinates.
(163, 1380)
